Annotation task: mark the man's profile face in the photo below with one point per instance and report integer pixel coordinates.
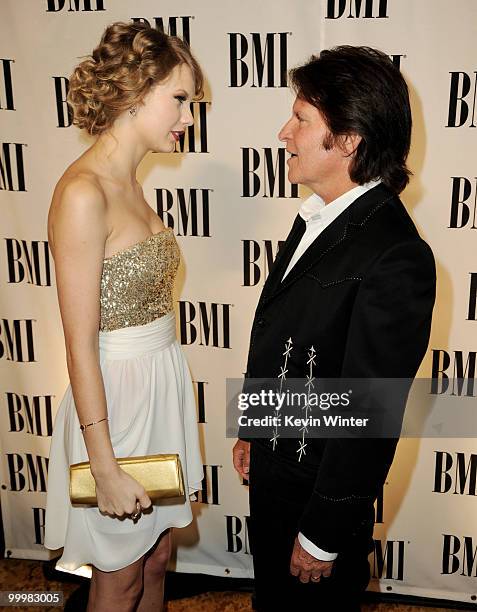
(311, 164)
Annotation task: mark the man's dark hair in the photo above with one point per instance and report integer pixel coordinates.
(358, 90)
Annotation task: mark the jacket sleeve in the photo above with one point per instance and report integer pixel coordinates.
(387, 338)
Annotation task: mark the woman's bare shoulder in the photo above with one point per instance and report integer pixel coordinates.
(78, 199)
(78, 184)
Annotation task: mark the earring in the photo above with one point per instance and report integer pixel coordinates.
(133, 111)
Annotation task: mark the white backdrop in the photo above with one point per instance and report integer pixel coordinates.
(229, 203)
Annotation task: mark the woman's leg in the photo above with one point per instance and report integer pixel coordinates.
(155, 565)
(119, 590)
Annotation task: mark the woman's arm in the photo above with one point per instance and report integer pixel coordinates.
(78, 231)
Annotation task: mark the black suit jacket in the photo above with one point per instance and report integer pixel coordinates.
(362, 295)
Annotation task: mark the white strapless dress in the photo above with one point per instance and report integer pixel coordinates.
(151, 409)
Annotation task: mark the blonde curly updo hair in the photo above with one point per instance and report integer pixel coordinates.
(130, 59)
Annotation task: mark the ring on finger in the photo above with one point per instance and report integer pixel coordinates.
(135, 515)
(315, 577)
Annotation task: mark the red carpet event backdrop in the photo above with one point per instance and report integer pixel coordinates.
(226, 195)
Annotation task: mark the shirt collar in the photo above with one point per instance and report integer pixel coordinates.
(314, 207)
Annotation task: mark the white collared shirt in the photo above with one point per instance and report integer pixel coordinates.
(317, 216)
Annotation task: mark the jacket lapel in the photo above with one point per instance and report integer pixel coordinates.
(350, 221)
(329, 238)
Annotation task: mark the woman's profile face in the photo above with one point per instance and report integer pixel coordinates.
(165, 113)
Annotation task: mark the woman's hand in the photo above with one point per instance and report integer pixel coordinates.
(118, 493)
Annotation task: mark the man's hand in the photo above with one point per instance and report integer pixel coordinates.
(306, 567)
(241, 455)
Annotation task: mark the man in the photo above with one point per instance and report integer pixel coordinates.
(350, 296)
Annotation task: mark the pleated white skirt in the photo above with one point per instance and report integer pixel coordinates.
(151, 409)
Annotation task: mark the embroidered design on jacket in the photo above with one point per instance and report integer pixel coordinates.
(311, 362)
(282, 376)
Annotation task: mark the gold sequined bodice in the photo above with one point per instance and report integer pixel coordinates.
(137, 282)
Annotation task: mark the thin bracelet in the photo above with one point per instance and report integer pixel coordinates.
(83, 427)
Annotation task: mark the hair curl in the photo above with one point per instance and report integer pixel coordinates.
(358, 90)
(130, 59)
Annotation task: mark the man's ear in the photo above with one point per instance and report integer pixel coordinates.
(349, 143)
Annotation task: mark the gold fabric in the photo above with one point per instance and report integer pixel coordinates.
(137, 282)
(160, 475)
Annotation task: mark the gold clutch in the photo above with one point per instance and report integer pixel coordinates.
(160, 475)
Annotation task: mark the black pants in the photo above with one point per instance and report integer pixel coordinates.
(279, 490)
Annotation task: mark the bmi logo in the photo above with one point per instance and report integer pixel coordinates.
(32, 415)
(462, 366)
(397, 59)
(28, 261)
(236, 530)
(258, 60)
(12, 168)
(388, 561)
(54, 6)
(459, 555)
(258, 258)
(174, 26)
(472, 297)
(350, 9)
(63, 110)
(264, 173)
(462, 95)
(39, 515)
(6, 85)
(463, 202)
(186, 211)
(194, 139)
(209, 494)
(27, 472)
(205, 324)
(455, 474)
(200, 396)
(16, 340)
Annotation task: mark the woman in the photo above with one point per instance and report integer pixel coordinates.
(115, 267)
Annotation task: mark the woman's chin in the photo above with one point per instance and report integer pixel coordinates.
(169, 148)
(172, 147)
